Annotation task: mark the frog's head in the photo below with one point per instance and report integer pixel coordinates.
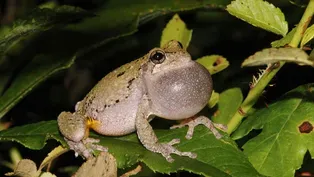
(170, 56)
(177, 86)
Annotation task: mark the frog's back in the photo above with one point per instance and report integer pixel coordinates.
(113, 88)
(118, 90)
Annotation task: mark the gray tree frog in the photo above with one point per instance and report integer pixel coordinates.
(166, 83)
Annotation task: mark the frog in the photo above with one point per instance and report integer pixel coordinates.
(164, 83)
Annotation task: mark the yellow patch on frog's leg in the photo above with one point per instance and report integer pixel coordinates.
(91, 143)
(91, 124)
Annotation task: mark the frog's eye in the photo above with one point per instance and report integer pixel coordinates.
(157, 56)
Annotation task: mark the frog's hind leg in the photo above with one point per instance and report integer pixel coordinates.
(72, 126)
(149, 139)
(194, 121)
(75, 129)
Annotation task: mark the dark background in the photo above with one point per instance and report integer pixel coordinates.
(214, 32)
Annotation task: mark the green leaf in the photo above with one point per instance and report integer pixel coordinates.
(120, 16)
(38, 70)
(15, 41)
(214, 63)
(261, 14)
(286, 136)
(285, 40)
(4, 79)
(56, 152)
(176, 30)
(49, 5)
(33, 136)
(229, 102)
(37, 21)
(308, 35)
(213, 99)
(272, 55)
(40, 19)
(41, 68)
(47, 174)
(215, 157)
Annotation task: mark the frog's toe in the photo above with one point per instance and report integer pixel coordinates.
(79, 148)
(90, 141)
(193, 122)
(91, 145)
(174, 141)
(86, 147)
(167, 148)
(221, 126)
(210, 125)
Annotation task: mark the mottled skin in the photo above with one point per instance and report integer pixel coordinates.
(164, 83)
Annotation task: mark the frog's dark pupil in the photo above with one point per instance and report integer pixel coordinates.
(158, 56)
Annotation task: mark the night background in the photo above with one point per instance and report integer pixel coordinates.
(214, 32)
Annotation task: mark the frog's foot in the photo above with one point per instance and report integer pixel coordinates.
(85, 147)
(194, 121)
(167, 148)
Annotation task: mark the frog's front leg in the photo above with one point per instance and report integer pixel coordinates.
(197, 120)
(149, 139)
(74, 128)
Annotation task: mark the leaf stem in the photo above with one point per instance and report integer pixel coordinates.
(304, 22)
(269, 73)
